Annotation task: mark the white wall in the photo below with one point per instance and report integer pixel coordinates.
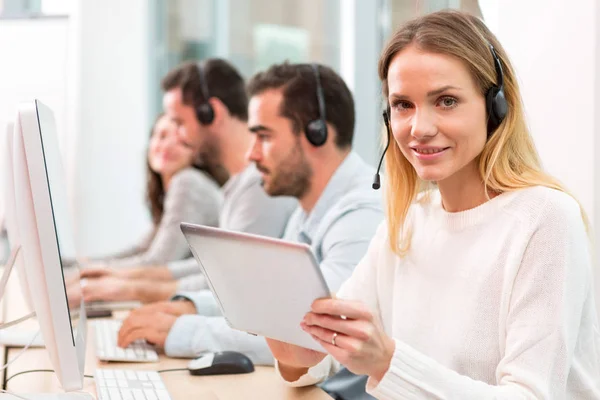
(110, 121)
(33, 65)
(555, 48)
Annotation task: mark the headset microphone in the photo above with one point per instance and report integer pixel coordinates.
(376, 179)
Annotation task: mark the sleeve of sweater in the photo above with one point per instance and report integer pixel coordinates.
(192, 197)
(209, 331)
(193, 334)
(193, 282)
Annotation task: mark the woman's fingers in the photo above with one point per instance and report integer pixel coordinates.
(360, 329)
(333, 338)
(342, 308)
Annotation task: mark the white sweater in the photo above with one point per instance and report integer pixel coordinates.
(495, 302)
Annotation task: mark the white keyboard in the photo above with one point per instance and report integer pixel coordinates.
(106, 332)
(124, 384)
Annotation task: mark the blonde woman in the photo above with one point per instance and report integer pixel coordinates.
(479, 287)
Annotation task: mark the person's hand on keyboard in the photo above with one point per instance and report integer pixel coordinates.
(108, 288)
(154, 327)
(176, 308)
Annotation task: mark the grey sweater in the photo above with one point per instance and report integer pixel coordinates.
(193, 197)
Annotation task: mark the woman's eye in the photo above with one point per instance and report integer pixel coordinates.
(448, 102)
(401, 105)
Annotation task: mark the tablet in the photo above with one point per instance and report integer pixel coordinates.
(263, 286)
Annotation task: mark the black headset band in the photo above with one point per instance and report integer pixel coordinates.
(320, 94)
(203, 84)
(498, 65)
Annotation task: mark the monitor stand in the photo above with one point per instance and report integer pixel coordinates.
(10, 263)
(15, 336)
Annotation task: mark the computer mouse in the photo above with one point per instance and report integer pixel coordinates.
(221, 363)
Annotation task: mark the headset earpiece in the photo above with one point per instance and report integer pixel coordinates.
(316, 130)
(496, 105)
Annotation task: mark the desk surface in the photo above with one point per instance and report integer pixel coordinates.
(263, 383)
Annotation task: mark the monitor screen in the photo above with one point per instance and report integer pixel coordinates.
(62, 219)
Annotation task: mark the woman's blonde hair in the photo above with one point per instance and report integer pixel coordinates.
(509, 160)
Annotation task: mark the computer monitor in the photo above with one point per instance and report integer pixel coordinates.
(10, 215)
(44, 232)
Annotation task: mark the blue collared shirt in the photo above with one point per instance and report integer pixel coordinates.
(343, 221)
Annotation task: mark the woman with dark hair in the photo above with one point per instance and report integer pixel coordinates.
(177, 191)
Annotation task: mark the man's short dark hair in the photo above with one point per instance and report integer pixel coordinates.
(300, 104)
(222, 79)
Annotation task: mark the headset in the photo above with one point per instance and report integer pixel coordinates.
(495, 104)
(316, 130)
(204, 111)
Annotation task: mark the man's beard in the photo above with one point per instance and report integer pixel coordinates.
(209, 160)
(292, 176)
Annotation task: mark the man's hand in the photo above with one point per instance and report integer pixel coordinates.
(176, 308)
(148, 272)
(96, 271)
(154, 327)
(108, 288)
(111, 288)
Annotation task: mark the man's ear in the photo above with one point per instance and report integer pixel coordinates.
(220, 110)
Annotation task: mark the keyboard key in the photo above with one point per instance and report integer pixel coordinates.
(114, 394)
(142, 375)
(159, 385)
(127, 394)
(103, 393)
(130, 385)
(150, 394)
(163, 395)
(153, 376)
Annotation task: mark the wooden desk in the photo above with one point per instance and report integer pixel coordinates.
(262, 384)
